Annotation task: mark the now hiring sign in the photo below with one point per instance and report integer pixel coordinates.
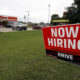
(63, 42)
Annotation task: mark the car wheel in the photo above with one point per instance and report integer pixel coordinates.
(19, 28)
(25, 28)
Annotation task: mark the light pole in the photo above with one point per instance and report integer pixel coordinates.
(49, 13)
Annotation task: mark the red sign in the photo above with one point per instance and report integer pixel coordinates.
(12, 18)
(63, 41)
(9, 18)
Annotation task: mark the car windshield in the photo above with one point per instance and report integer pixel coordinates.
(18, 23)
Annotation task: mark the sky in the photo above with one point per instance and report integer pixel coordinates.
(38, 9)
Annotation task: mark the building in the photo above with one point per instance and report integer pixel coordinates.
(4, 19)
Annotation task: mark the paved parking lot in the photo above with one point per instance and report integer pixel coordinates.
(10, 29)
(6, 30)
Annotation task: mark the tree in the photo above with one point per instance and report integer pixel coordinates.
(77, 2)
(73, 12)
(54, 17)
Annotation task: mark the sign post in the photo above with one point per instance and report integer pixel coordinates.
(63, 42)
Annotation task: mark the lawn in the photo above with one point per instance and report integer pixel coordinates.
(22, 57)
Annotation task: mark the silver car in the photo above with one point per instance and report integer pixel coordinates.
(19, 26)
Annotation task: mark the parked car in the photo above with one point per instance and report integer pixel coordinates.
(19, 26)
(37, 27)
(9, 24)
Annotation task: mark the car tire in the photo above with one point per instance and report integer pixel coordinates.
(19, 28)
(25, 28)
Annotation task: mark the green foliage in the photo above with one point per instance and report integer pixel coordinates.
(77, 2)
(54, 17)
(73, 12)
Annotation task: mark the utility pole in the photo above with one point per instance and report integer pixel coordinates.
(28, 15)
(24, 18)
(49, 13)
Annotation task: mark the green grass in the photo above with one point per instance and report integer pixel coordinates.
(22, 57)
